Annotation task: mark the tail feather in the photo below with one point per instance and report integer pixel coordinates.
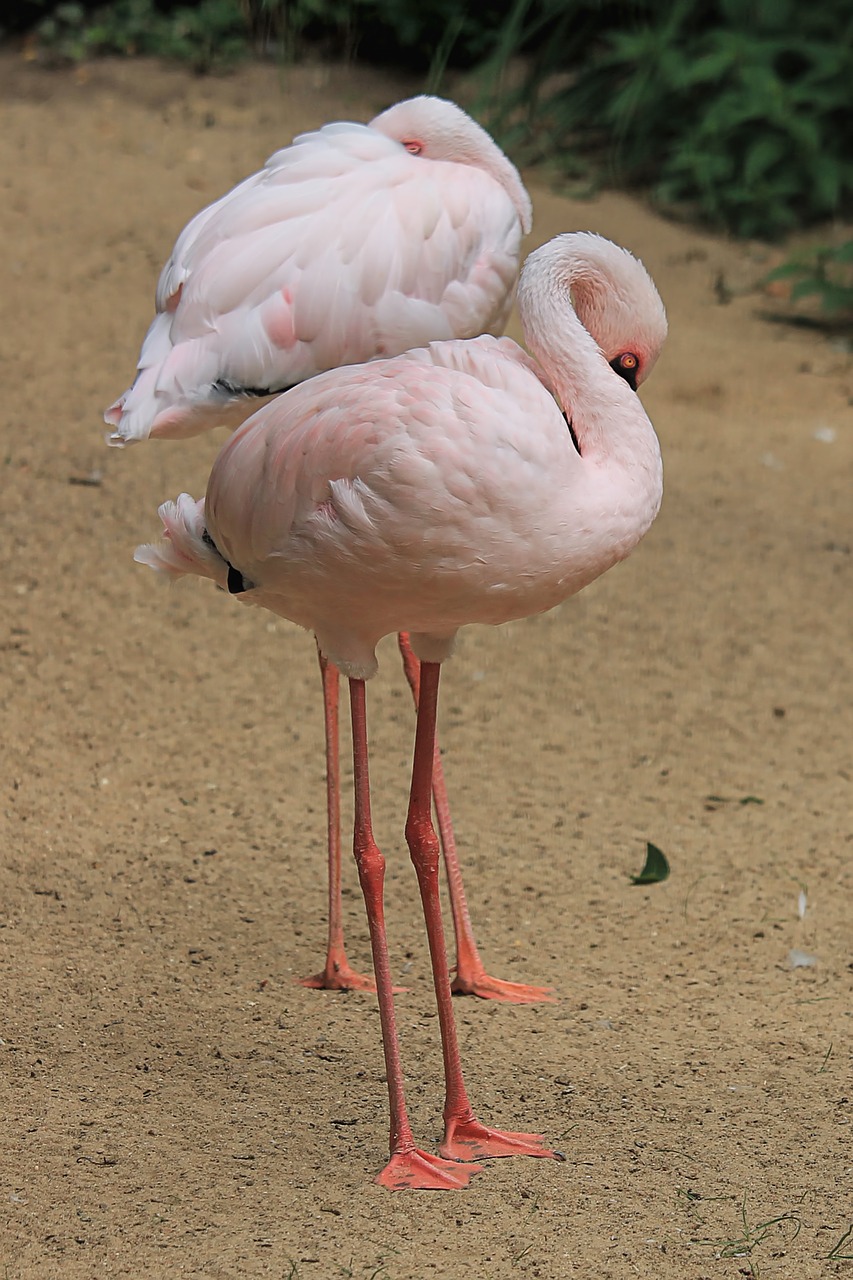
(155, 406)
(174, 393)
(183, 548)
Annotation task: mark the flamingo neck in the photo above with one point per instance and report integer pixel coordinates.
(608, 420)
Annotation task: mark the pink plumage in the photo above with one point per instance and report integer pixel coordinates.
(441, 486)
(457, 484)
(356, 241)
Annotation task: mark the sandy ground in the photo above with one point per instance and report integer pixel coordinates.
(173, 1104)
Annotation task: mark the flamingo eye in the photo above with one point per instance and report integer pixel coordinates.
(627, 366)
(413, 146)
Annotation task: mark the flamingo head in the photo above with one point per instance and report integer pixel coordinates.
(616, 301)
(439, 130)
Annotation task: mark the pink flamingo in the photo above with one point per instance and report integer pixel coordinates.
(354, 242)
(462, 483)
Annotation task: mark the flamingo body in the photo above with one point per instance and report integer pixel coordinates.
(436, 488)
(354, 242)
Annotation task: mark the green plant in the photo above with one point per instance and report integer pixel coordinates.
(424, 35)
(737, 112)
(212, 34)
(783, 1229)
(825, 273)
(836, 1253)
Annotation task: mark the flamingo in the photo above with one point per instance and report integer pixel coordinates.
(465, 482)
(354, 242)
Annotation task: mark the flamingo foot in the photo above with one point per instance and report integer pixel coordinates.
(470, 1140)
(338, 976)
(421, 1171)
(476, 982)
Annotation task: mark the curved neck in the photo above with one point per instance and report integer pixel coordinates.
(607, 417)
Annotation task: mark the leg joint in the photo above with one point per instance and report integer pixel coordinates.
(423, 844)
(370, 862)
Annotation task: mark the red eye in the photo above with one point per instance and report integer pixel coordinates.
(414, 146)
(628, 361)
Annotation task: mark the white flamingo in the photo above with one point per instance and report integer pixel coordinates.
(462, 483)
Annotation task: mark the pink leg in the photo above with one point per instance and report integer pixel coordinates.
(408, 1166)
(471, 977)
(337, 974)
(464, 1136)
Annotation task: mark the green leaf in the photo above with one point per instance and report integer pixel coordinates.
(836, 1248)
(709, 68)
(837, 298)
(655, 868)
(762, 156)
(805, 288)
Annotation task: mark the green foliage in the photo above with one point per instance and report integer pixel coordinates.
(423, 35)
(825, 273)
(212, 34)
(737, 112)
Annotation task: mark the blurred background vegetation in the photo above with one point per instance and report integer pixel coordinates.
(734, 113)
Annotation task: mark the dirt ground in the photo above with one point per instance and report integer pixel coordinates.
(173, 1104)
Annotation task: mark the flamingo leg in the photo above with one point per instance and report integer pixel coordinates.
(464, 1136)
(337, 975)
(471, 976)
(408, 1165)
